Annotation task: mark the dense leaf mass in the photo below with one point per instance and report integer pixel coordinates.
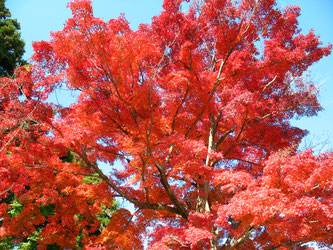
(192, 111)
(11, 44)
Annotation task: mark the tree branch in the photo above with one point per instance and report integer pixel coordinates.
(178, 108)
(19, 128)
(221, 139)
(8, 189)
(243, 238)
(170, 193)
(266, 86)
(142, 205)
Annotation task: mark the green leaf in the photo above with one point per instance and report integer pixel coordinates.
(92, 179)
(15, 208)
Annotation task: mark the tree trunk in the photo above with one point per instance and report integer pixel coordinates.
(203, 198)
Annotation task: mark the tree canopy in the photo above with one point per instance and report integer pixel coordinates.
(11, 44)
(192, 115)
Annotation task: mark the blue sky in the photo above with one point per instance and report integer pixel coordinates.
(39, 17)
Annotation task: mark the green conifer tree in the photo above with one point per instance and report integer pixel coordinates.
(11, 44)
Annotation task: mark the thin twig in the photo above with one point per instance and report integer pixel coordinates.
(8, 189)
(19, 128)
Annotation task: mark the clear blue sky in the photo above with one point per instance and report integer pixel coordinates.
(39, 17)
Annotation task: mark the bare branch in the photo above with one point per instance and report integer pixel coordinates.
(243, 238)
(170, 193)
(243, 128)
(221, 139)
(4, 85)
(8, 189)
(250, 162)
(142, 205)
(211, 138)
(266, 86)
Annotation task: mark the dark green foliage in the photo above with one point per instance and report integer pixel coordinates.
(11, 44)
(9, 198)
(53, 247)
(47, 210)
(8, 243)
(69, 157)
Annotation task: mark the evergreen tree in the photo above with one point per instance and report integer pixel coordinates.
(11, 44)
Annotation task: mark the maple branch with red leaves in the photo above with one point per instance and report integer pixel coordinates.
(142, 205)
(193, 113)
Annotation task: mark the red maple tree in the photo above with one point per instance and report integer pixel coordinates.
(196, 106)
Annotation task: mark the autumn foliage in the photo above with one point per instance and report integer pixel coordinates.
(192, 115)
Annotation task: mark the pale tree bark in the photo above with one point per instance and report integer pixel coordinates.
(202, 202)
(202, 205)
